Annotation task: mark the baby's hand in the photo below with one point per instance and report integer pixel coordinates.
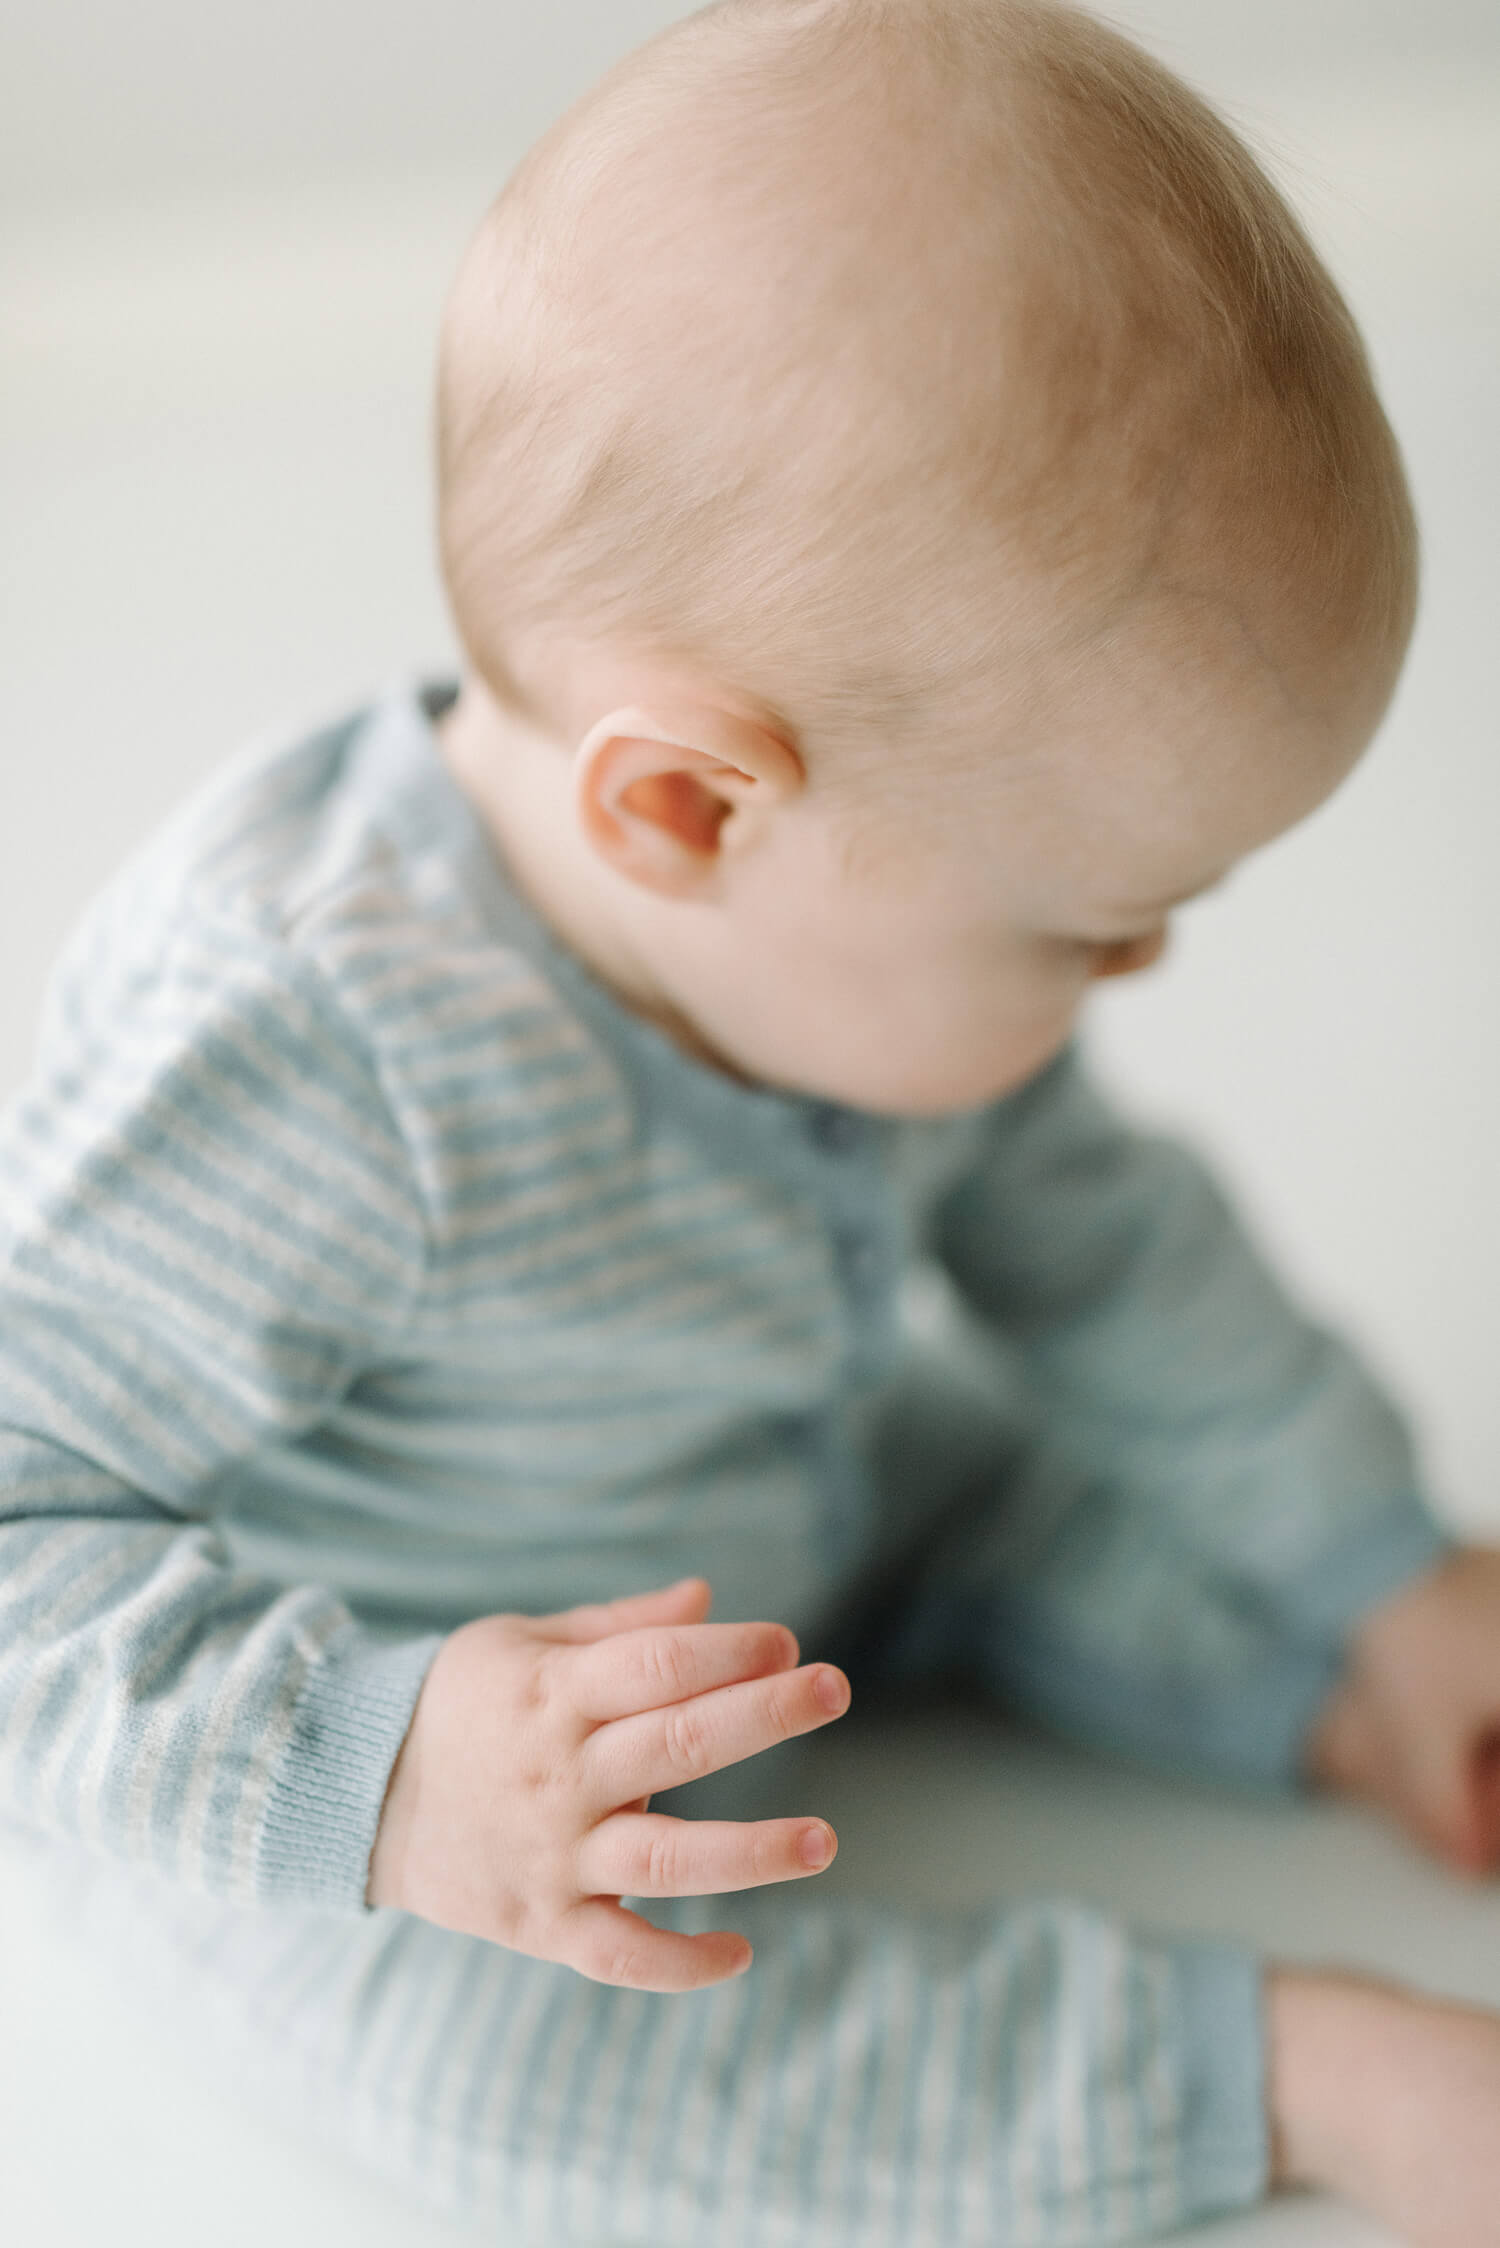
(517, 1807)
(1391, 2100)
(1414, 1726)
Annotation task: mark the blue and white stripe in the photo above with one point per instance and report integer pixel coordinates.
(363, 1268)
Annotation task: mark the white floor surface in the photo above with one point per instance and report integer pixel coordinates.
(106, 2125)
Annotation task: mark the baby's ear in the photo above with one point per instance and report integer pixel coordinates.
(665, 795)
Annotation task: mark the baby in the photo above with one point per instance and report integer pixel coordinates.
(916, 512)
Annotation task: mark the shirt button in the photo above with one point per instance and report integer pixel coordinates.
(836, 1129)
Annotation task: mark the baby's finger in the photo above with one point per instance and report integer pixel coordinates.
(664, 1748)
(646, 1668)
(688, 1601)
(660, 1857)
(612, 1945)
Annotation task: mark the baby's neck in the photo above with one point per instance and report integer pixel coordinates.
(518, 782)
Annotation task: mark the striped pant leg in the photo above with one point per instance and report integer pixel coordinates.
(1022, 2078)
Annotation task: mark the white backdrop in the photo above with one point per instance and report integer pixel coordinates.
(99, 101)
(224, 237)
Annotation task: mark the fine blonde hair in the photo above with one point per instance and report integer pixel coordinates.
(827, 345)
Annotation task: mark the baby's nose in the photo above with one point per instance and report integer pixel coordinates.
(1129, 958)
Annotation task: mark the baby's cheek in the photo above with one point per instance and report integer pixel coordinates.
(971, 1048)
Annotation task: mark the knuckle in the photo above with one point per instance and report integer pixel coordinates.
(666, 1662)
(536, 1691)
(782, 1646)
(663, 1862)
(551, 1711)
(535, 1927)
(546, 1774)
(535, 1779)
(549, 1678)
(621, 1963)
(784, 1710)
(684, 1740)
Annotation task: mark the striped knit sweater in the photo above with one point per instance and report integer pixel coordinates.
(365, 1267)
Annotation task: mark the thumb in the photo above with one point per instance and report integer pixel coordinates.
(687, 1601)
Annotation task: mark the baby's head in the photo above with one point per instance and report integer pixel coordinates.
(915, 509)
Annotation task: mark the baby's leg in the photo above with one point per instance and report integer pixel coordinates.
(1069, 1602)
(1031, 2076)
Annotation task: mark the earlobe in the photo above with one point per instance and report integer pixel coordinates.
(664, 797)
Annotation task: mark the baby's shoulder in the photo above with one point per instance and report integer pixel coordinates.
(328, 866)
(236, 858)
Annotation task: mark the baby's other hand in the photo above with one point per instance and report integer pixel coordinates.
(1414, 1724)
(517, 1807)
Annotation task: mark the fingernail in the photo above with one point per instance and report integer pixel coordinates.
(816, 1846)
(832, 1690)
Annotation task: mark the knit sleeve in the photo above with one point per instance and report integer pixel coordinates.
(208, 1228)
(1175, 1367)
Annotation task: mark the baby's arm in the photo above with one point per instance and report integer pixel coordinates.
(207, 1228)
(1177, 1375)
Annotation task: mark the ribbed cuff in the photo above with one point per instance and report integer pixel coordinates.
(1244, 1725)
(1256, 1731)
(324, 1805)
(1373, 1560)
(1225, 2133)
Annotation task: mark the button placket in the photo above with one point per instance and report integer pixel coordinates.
(852, 1186)
(836, 1130)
